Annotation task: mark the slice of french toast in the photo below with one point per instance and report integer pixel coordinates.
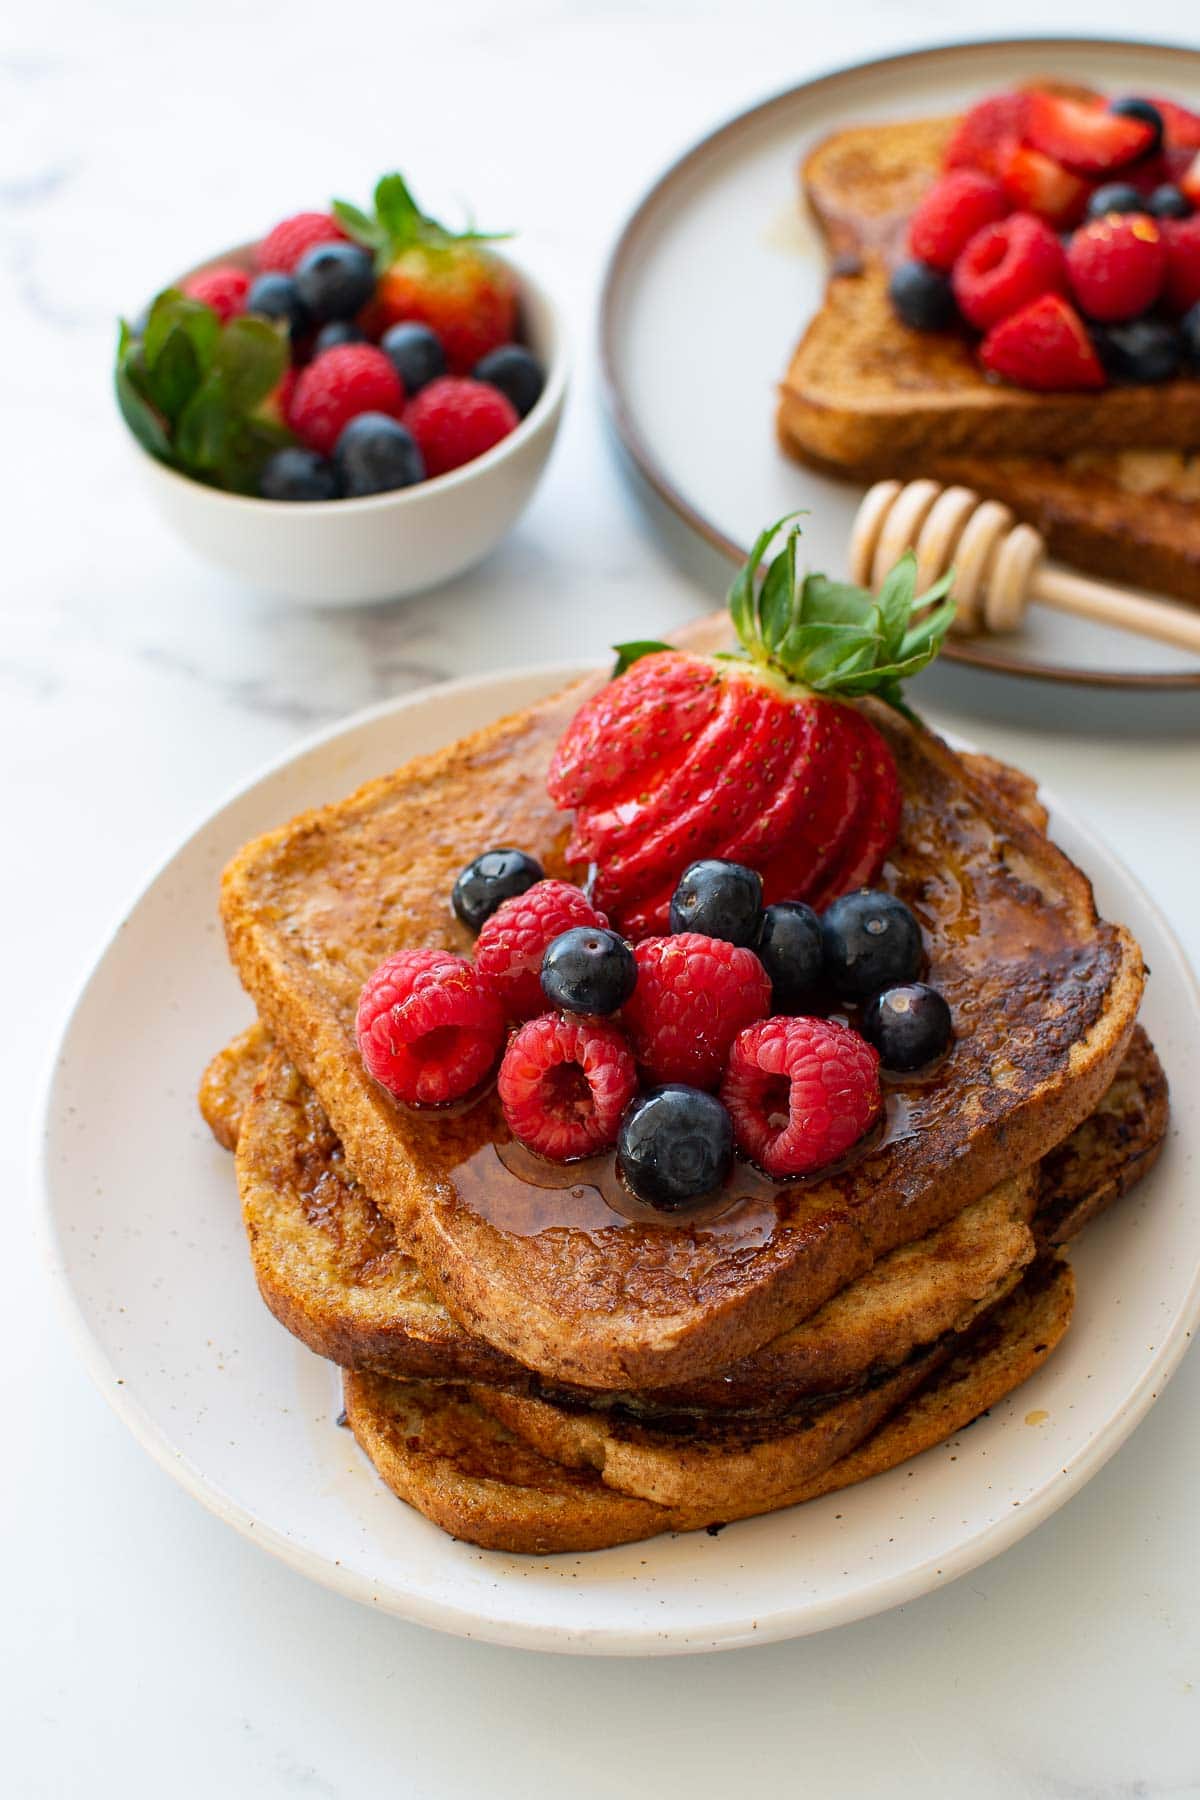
(1110, 479)
(457, 1463)
(1044, 996)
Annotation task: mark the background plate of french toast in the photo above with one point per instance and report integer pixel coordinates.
(461, 1435)
(753, 359)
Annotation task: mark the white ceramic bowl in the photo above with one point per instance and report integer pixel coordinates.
(386, 546)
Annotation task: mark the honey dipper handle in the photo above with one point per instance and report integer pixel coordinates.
(1111, 606)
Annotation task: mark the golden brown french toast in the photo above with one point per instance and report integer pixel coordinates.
(1109, 479)
(458, 1464)
(1043, 993)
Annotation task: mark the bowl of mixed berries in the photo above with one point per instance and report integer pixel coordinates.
(353, 409)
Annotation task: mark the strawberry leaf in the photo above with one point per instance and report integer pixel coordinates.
(628, 654)
(396, 223)
(361, 226)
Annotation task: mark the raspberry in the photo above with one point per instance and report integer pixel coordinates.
(512, 943)
(693, 995)
(953, 210)
(427, 1027)
(283, 247)
(341, 383)
(224, 289)
(1117, 265)
(1005, 266)
(800, 1092)
(1044, 346)
(986, 132)
(564, 1084)
(1181, 288)
(454, 420)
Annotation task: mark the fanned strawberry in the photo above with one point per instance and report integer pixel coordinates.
(986, 132)
(1084, 135)
(763, 760)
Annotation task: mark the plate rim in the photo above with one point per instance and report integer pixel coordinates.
(621, 262)
(439, 1613)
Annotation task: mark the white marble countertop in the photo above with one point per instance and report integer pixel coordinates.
(145, 1648)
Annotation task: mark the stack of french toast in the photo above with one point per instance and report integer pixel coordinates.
(1099, 446)
(537, 1369)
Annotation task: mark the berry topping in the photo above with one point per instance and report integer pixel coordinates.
(950, 214)
(338, 331)
(375, 454)
(454, 420)
(346, 381)
(676, 1144)
(588, 970)
(909, 1026)
(417, 356)
(801, 1092)
(224, 289)
(564, 1084)
(1005, 266)
(1181, 128)
(516, 372)
(871, 939)
(1086, 136)
(1042, 186)
(296, 474)
(693, 995)
(921, 296)
(515, 939)
(428, 1029)
(283, 247)
(1146, 113)
(335, 280)
(986, 133)
(1169, 202)
(791, 950)
(1143, 350)
(1043, 347)
(1181, 285)
(277, 297)
(720, 900)
(1117, 265)
(492, 878)
(1115, 197)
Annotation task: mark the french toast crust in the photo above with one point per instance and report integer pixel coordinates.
(309, 910)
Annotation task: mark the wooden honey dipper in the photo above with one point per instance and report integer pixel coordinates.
(999, 566)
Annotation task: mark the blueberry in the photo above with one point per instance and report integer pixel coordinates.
(1189, 330)
(909, 1026)
(1169, 202)
(719, 900)
(790, 949)
(516, 372)
(922, 296)
(1133, 108)
(588, 970)
(416, 353)
(1115, 197)
(675, 1144)
(278, 297)
(1143, 350)
(375, 454)
(338, 331)
(492, 878)
(871, 940)
(295, 474)
(335, 280)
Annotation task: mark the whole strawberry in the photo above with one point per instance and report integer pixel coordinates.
(759, 758)
(448, 281)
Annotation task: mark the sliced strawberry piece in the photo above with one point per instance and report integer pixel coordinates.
(647, 720)
(1038, 184)
(986, 133)
(875, 829)
(1181, 128)
(1045, 346)
(1085, 136)
(802, 829)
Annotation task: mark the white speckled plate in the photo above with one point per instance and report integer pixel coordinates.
(144, 1236)
(717, 272)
